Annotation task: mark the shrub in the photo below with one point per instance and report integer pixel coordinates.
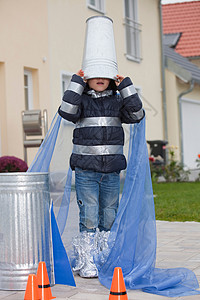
(12, 164)
(156, 168)
(172, 172)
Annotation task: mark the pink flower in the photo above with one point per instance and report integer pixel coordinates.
(12, 164)
(151, 159)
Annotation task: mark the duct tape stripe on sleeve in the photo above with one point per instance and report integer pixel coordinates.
(138, 115)
(128, 91)
(76, 87)
(69, 108)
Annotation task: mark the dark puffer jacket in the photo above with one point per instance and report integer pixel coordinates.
(99, 137)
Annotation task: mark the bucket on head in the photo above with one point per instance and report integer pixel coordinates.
(25, 228)
(99, 58)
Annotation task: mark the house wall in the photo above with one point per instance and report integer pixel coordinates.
(24, 43)
(174, 87)
(3, 117)
(196, 61)
(172, 112)
(190, 111)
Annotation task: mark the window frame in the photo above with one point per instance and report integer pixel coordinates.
(63, 88)
(99, 6)
(29, 101)
(63, 75)
(133, 30)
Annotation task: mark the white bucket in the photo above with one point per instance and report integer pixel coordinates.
(99, 58)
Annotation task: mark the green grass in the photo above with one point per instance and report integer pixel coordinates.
(177, 201)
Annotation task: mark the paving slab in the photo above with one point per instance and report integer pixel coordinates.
(178, 245)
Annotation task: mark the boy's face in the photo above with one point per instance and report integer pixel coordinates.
(98, 84)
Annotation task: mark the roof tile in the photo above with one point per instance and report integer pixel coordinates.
(184, 18)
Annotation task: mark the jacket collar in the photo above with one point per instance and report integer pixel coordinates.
(95, 94)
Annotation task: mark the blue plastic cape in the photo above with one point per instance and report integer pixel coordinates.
(132, 241)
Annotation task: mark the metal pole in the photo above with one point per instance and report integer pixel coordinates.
(45, 122)
(163, 77)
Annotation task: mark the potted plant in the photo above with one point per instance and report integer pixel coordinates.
(12, 164)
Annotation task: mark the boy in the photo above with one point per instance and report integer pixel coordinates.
(97, 156)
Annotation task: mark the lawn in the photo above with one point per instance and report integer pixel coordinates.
(177, 201)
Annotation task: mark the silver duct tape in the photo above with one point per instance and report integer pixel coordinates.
(84, 247)
(76, 87)
(69, 108)
(137, 115)
(25, 232)
(103, 249)
(88, 246)
(128, 91)
(97, 150)
(99, 121)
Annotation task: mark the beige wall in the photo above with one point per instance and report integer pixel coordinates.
(3, 116)
(196, 62)
(24, 43)
(172, 111)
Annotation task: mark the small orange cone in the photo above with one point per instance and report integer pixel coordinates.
(43, 282)
(32, 291)
(118, 288)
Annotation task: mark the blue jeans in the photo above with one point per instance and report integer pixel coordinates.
(97, 198)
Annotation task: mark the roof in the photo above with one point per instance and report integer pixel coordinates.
(181, 66)
(183, 18)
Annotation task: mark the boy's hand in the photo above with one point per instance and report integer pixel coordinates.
(81, 74)
(119, 79)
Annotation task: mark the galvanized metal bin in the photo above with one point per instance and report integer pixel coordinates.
(25, 228)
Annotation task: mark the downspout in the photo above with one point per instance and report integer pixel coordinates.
(180, 116)
(164, 104)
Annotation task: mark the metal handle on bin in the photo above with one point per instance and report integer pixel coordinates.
(34, 124)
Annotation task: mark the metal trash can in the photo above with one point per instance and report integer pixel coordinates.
(25, 228)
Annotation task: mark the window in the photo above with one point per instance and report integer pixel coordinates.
(97, 5)
(133, 30)
(28, 90)
(65, 80)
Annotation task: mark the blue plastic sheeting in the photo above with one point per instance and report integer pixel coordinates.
(62, 269)
(132, 241)
(41, 163)
(42, 160)
(133, 234)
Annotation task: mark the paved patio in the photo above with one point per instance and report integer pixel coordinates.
(178, 246)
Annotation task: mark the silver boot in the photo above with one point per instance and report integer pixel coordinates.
(85, 246)
(103, 249)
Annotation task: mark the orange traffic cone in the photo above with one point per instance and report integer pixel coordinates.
(32, 291)
(118, 288)
(43, 282)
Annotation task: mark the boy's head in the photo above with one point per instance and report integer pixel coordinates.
(98, 84)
